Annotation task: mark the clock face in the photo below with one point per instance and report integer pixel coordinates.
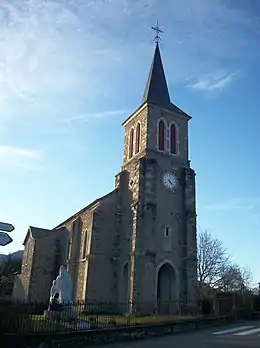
(170, 181)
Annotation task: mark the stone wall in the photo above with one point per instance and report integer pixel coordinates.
(18, 290)
(191, 231)
(141, 116)
(90, 249)
(27, 264)
(79, 229)
(102, 266)
(123, 232)
(47, 260)
(42, 253)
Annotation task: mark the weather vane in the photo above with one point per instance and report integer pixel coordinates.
(158, 32)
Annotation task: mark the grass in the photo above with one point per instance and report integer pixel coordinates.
(125, 320)
(30, 324)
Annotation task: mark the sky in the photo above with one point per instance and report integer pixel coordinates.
(72, 71)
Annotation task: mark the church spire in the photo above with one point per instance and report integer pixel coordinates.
(156, 90)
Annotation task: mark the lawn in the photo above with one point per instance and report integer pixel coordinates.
(125, 320)
(30, 324)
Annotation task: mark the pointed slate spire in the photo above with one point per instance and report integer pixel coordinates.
(156, 90)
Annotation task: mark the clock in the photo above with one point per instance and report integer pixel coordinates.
(170, 181)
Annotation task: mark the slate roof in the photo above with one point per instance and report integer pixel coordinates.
(93, 203)
(156, 89)
(38, 232)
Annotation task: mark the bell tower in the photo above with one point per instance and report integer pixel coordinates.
(161, 253)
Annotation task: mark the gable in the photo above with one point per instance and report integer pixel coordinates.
(35, 232)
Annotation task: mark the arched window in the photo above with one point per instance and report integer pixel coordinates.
(161, 136)
(137, 138)
(173, 139)
(131, 143)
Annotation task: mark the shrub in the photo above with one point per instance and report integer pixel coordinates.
(206, 306)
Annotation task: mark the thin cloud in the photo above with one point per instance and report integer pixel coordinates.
(236, 204)
(7, 151)
(64, 48)
(215, 82)
(96, 115)
(19, 157)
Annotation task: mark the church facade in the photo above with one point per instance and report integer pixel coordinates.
(136, 244)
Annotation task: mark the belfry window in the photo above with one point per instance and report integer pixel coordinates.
(137, 138)
(161, 136)
(131, 143)
(173, 139)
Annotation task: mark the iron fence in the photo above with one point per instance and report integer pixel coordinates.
(28, 317)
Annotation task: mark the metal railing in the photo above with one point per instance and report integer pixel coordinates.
(28, 317)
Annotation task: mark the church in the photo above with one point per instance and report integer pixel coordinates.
(136, 244)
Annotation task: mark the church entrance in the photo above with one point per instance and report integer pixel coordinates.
(167, 289)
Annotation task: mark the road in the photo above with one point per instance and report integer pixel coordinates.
(240, 335)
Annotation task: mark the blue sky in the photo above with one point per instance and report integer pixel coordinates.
(70, 74)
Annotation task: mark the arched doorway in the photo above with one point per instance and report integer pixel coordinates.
(167, 289)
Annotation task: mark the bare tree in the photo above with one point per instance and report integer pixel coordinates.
(215, 269)
(236, 279)
(7, 267)
(213, 259)
(10, 265)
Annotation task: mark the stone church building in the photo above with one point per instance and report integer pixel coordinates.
(138, 242)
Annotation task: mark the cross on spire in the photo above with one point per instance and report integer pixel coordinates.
(158, 32)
